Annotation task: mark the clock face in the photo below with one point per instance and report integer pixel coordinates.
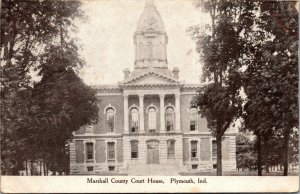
(150, 22)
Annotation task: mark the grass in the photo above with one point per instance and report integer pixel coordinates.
(238, 173)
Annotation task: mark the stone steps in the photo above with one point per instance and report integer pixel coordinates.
(152, 169)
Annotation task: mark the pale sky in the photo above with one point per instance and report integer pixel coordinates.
(107, 38)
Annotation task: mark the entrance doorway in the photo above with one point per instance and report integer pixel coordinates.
(153, 152)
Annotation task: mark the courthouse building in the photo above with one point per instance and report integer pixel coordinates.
(146, 124)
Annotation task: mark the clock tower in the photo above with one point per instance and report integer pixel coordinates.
(150, 40)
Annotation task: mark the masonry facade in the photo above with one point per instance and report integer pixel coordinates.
(146, 119)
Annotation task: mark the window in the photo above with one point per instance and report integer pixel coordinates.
(111, 168)
(214, 148)
(89, 129)
(214, 166)
(134, 123)
(90, 168)
(134, 149)
(194, 149)
(170, 119)
(110, 120)
(111, 151)
(193, 120)
(152, 119)
(89, 151)
(194, 166)
(171, 148)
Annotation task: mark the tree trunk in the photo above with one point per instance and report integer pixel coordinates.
(219, 155)
(26, 168)
(31, 168)
(44, 166)
(259, 169)
(286, 152)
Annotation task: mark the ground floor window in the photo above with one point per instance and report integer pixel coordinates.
(111, 150)
(194, 151)
(89, 151)
(214, 148)
(134, 150)
(171, 148)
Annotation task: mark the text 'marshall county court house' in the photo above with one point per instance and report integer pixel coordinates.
(146, 123)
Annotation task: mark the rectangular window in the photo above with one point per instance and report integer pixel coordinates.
(171, 149)
(134, 150)
(89, 151)
(111, 168)
(214, 148)
(194, 166)
(193, 125)
(90, 168)
(194, 149)
(111, 151)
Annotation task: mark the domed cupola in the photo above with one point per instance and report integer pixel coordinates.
(150, 39)
(150, 19)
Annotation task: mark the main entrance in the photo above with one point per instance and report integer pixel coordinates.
(153, 152)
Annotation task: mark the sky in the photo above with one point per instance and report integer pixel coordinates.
(107, 38)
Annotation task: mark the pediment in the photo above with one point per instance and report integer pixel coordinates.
(151, 78)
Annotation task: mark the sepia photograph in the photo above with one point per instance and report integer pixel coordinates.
(145, 93)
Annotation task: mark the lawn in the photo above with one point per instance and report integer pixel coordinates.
(238, 173)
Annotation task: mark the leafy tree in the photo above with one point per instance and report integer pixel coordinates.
(245, 151)
(271, 82)
(38, 119)
(220, 46)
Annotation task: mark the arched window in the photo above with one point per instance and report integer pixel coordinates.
(193, 119)
(152, 119)
(170, 119)
(134, 122)
(110, 120)
(89, 147)
(134, 149)
(171, 149)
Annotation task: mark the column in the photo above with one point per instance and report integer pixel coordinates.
(141, 110)
(177, 114)
(126, 123)
(162, 113)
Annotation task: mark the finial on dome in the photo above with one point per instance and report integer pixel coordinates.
(149, 3)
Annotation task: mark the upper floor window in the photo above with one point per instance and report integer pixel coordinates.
(110, 119)
(152, 119)
(171, 148)
(89, 151)
(134, 123)
(214, 148)
(170, 119)
(134, 149)
(111, 151)
(89, 129)
(194, 150)
(193, 119)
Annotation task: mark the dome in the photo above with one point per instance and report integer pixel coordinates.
(150, 19)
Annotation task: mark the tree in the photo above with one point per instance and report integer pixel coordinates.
(271, 81)
(245, 151)
(40, 117)
(220, 47)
